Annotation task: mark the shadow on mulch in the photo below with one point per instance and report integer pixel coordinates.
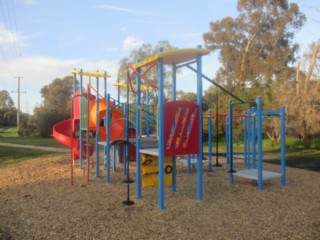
(309, 164)
(4, 235)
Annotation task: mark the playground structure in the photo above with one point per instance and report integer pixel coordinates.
(179, 127)
(88, 112)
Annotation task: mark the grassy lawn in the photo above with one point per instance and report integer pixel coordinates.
(11, 155)
(298, 153)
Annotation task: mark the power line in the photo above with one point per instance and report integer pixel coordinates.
(12, 52)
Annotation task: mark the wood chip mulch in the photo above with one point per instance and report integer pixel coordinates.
(37, 202)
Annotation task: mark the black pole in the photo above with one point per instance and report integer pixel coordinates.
(128, 202)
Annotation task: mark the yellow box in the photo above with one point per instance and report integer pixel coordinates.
(153, 169)
(152, 180)
(147, 159)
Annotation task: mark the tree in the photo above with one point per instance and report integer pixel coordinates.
(8, 114)
(256, 46)
(57, 95)
(145, 51)
(301, 94)
(6, 101)
(56, 105)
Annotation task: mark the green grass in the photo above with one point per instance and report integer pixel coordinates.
(8, 132)
(296, 149)
(11, 155)
(36, 141)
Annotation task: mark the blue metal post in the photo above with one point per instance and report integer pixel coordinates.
(254, 142)
(148, 111)
(108, 178)
(97, 129)
(174, 158)
(210, 139)
(125, 154)
(249, 140)
(230, 144)
(105, 120)
(283, 144)
(80, 122)
(119, 105)
(138, 142)
(245, 139)
(227, 140)
(259, 133)
(199, 102)
(161, 131)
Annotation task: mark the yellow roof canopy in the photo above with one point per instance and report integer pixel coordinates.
(175, 56)
(91, 74)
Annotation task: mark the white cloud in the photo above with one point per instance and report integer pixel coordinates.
(39, 71)
(131, 42)
(8, 37)
(125, 10)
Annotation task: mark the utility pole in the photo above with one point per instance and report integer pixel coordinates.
(18, 91)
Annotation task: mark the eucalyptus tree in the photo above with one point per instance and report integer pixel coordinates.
(257, 45)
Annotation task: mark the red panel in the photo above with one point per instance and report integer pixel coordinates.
(181, 128)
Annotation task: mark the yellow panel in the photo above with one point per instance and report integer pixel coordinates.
(91, 74)
(142, 87)
(147, 159)
(173, 56)
(153, 169)
(148, 169)
(153, 180)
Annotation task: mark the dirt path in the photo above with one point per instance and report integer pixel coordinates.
(51, 149)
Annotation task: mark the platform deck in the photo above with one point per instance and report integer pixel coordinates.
(253, 174)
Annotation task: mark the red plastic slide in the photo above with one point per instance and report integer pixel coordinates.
(62, 131)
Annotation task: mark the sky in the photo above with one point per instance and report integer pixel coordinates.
(41, 40)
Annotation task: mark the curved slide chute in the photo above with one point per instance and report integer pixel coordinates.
(62, 131)
(117, 122)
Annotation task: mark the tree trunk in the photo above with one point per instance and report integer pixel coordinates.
(311, 67)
